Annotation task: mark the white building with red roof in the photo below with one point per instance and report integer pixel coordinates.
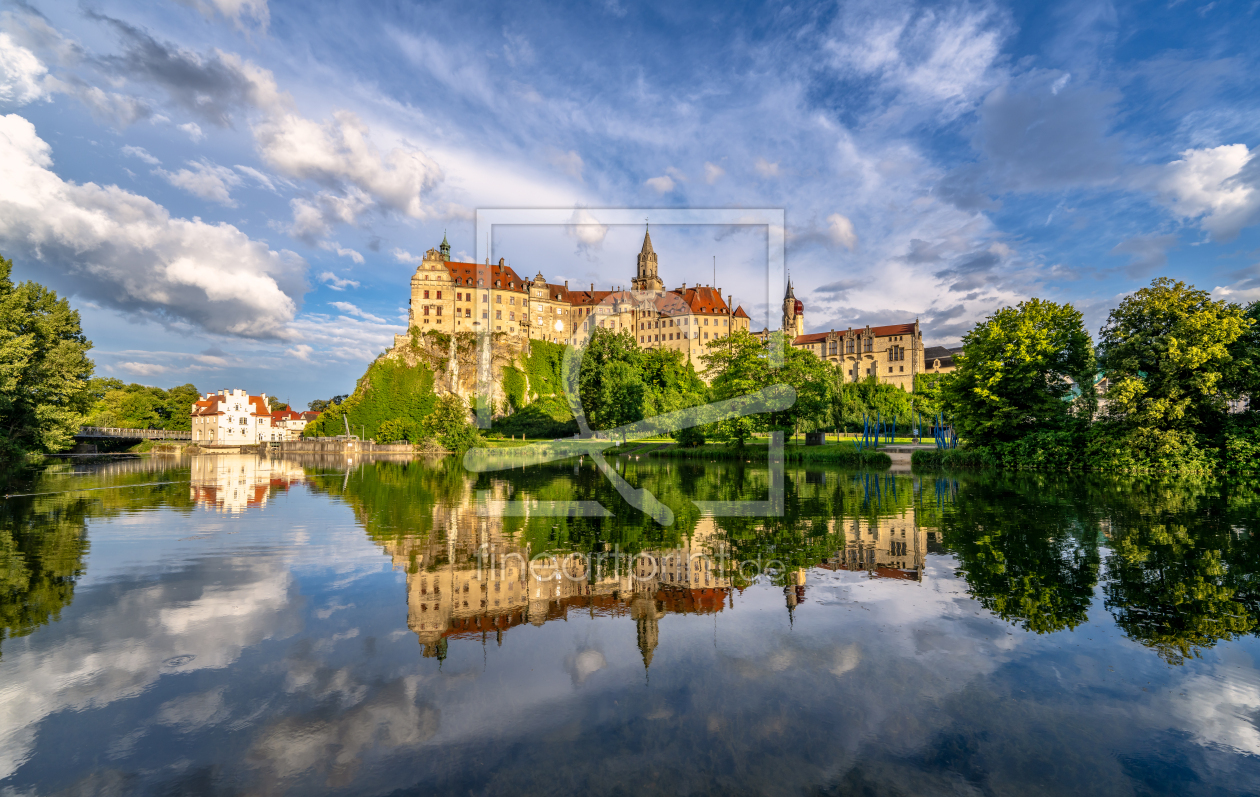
(289, 424)
(232, 417)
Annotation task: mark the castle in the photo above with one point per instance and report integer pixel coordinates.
(452, 297)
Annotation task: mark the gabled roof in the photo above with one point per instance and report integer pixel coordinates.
(739, 312)
(703, 299)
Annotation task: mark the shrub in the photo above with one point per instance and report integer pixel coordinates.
(691, 437)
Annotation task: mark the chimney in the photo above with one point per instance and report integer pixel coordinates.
(592, 287)
(684, 287)
(566, 285)
(502, 263)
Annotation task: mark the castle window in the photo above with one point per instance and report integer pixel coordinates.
(485, 297)
(498, 284)
(485, 314)
(467, 312)
(511, 300)
(439, 310)
(439, 294)
(498, 315)
(498, 300)
(511, 316)
(459, 297)
(426, 294)
(426, 309)
(481, 282)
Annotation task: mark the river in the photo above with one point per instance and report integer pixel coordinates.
(243, 625)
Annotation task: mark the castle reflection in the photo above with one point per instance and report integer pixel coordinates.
(468, 578)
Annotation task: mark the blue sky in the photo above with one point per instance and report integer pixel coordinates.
(231, 190)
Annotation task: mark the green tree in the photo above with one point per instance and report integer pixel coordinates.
(737, 365)
(1013, 374)
(611, 374)
(1166, 351)
(812, 378)
(449, 424)
(44, 368)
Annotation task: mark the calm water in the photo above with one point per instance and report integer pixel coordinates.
(238, 625)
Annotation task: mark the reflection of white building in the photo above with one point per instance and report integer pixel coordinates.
(232, 416)
(236, 482)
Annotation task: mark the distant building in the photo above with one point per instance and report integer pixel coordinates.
(939, 360)
(232, 417)
(289, 424)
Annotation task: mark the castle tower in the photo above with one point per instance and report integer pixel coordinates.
(645, 277)
(793, 313)
(445, 249)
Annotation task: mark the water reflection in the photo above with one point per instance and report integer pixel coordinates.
(248, 625)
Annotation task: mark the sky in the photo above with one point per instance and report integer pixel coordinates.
(234, 193)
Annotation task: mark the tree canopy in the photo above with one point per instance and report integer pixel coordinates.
(1016, 370)
(44, 368)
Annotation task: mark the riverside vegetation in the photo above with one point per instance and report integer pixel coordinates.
(1167, 388)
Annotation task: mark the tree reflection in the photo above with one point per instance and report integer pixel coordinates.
(43, 538)
(1029, 552)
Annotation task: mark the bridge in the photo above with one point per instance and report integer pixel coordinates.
(90, 433)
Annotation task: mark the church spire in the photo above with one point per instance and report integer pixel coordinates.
(445, 248)
(646, 278)
(647, 242)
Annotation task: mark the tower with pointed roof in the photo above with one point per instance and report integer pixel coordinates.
(445, 248)
(646, 278)
(793, 313)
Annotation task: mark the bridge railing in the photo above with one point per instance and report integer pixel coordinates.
(139, 434)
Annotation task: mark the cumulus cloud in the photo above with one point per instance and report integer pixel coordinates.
(21, 74)
(301, 351)
(206, 180)
(125, 251)
(841, 231)
(340, 155)
(337, 283)
(712, 172)
(193, 130)
(661, 185)
(1218, 186)
(341, 251)
(586, 229)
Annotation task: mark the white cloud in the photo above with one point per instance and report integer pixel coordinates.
(350, 309)
(126, 252)
(142, 369)
(766, 169)
(333, 246)
(337, 283)
(586, 228)
(661, 185)
(258, 176)
(340, 155)
(21, 74)
(841, 231)
(712, 172)
(301, 351)
(403, 256)
(314, 218)
(193, 130)
(142, 154)
(1210, 185)
(943, 58)
(206, 180)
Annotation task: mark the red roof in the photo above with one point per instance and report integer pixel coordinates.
(879, 332)
(739, 312)
(470, 273)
